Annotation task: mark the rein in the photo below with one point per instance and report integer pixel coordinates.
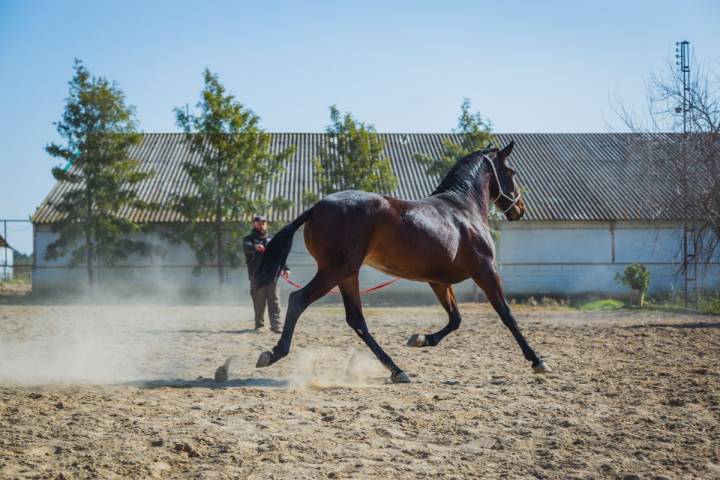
(336, 290)
(501, 194)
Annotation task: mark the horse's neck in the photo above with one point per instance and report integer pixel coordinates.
(479, 196)
(474, 202)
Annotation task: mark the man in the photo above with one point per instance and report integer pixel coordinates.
(254, 246)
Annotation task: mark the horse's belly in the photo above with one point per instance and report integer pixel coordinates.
(378, 264)
(416, 271)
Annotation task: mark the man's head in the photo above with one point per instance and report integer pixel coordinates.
(260, 223)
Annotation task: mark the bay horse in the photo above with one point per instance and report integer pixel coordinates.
(441, 239)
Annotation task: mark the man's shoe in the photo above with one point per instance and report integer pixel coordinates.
(276, 329)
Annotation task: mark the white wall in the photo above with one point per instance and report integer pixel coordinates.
(535, 258)
(565, 258)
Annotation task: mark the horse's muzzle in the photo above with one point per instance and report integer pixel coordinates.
(516, 212)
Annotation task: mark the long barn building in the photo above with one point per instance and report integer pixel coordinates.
(595, 204)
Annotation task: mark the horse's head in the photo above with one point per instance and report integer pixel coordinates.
(482, 172)
(504, 189)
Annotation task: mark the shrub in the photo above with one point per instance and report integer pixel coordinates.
(709, 303)
(637, 277)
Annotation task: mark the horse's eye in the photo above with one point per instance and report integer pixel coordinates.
(511, 172)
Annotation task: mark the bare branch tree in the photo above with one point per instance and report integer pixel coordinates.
(687, 150)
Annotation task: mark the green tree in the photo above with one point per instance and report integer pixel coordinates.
(476, 135)
(232, 168)
(637, 277)
(99, 128)
(354, 159)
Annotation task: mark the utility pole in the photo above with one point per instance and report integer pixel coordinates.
(689, 266)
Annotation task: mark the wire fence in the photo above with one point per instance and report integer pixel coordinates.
(17, 262)
(558, 275)
(16, 240)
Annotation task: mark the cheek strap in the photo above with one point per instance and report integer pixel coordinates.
(513, 201)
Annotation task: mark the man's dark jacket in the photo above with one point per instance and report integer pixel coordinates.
(252, 256)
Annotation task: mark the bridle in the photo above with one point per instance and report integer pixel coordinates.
(513, 201)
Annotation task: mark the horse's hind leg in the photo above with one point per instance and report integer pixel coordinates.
(350, 290)
(299, 300)
(491, 285)
(446, 295)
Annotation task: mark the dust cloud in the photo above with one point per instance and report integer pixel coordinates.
(327, 367)
(154, 340)
(86, 344)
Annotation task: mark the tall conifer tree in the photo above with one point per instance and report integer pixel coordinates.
(476, 134)
(231, 173)
(354, 159)
(99, 128)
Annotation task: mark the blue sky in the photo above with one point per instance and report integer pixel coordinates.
(402, 66)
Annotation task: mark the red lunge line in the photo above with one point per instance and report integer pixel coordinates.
(335, 289)
(378, 287)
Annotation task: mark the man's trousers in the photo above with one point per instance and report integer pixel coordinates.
(268, 295)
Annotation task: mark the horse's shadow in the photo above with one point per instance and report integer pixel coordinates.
(213, 332)
(209, 383)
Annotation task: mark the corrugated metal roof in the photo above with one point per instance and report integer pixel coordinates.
(575, 176)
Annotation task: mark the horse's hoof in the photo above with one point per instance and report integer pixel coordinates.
(400, 377)
(264, 360)
(541, 368)
(417, 340)
(221, 374)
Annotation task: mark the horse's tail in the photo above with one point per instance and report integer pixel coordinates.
(278, 250)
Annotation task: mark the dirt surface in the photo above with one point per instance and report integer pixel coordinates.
(125, 392)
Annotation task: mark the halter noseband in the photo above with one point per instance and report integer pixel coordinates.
(513, 201)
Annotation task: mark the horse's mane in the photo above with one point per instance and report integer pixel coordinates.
(459, 179)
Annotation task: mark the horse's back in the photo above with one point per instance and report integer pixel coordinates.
(342, 223)
(356, 201)
(418, 240)
(351, 206)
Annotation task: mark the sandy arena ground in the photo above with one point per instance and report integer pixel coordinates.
(124, 392)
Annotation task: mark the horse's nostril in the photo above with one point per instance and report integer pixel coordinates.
(515, 213)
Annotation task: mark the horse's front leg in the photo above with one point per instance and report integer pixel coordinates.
(446, 295)
(490, 283)
(299, 300)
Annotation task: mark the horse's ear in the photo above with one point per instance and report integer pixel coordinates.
(505, 152)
